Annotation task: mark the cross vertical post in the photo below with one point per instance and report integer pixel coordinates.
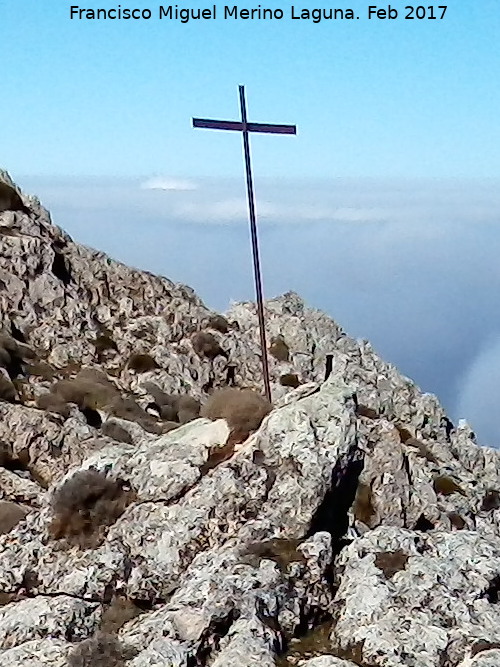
(255, 245)
(245, 127)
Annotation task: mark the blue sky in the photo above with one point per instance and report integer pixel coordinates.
(370, 98)
(383, 210)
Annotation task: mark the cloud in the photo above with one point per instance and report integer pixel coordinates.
(166, 183)
(479, 396)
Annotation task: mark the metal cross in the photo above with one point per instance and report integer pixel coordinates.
(245, 127)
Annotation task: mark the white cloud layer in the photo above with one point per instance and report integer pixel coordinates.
(166, 183)
(479, 394)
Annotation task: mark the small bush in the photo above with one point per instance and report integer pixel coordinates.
(85, 504)
(173, 407)
(87, 390)
(363, 508)
(7, 390)
(128, 409)
(101, 650)
(243, 409)
(446, 486)
(13, 354)
(53, 403)
(188, 408)
(41, 369)
(119, 611)
(206, 345)
(290, 380)
(103, 343)
(141, 363)
(161, 397)
(219, 323)
(116, 432)
(10, 515)
(391, 562)
(279, 349)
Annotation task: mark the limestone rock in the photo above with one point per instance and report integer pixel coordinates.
(355, 526)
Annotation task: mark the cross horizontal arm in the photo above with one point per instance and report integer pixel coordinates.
(272, 129)
(218, 124)
(238, 126)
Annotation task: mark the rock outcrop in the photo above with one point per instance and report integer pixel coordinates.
(357, 526)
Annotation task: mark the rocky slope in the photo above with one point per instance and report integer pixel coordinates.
(355, 526)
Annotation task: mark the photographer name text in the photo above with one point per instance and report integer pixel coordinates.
(259, 13)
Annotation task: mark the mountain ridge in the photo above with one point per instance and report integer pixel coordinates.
(355, 526)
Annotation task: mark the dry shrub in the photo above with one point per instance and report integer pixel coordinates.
(130, 410)
(363, 508)
(243, 409)
(161, 397)
(10, 515)
(53, 403)
(101, 650)
(7, 390)
(290, 380)
(97, 376)
(90, 389)
(206, 345)
(219, 323)
(365, 411)
(41, 369)
(85, 504)
(173, 407)
(119, 611)
(13, 353)
(279, 349)
(391, 562)
(188, 408)
(141, 363)
(103, 343)
(491, 501)
(446, 486)
(116, 432)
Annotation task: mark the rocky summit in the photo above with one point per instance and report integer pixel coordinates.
(155, 510)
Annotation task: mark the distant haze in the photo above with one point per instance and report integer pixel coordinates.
(410, 265)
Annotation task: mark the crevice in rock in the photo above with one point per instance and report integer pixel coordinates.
(92, 417)
(328, 366)
(332, 514)
(19, 463)
(230, 376)
(423, 524)
(483, 645)
(493, 590)
(407, 469)
(60, 267)
(210, 640)
(311, 621)
(491, 501)
(17, 333)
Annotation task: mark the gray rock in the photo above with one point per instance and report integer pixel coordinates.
(357, 510)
